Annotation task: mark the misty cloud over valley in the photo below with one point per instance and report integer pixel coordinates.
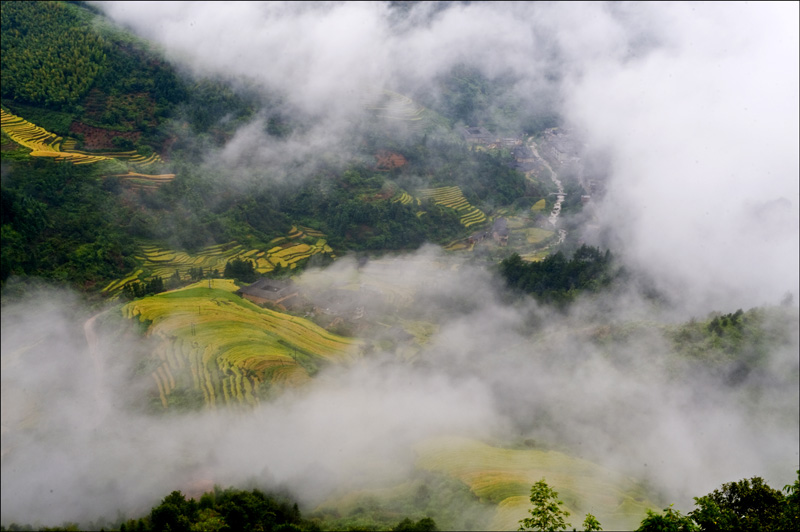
(688, 113)
(693, 106)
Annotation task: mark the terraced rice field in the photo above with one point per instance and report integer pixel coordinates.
(395, 106)
(403, 197)
(459, 245)
(504, 477)
(144, 181)
(229, 349)
(287, 253)
(42, 143)
(453, 198)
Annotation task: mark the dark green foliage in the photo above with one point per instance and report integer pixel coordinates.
(138, 289)
(558, 280)
(241, 270)
(222, 510)
(49, 56)
(352, 213)
(734, 345)
(175, 513)
(670, 521)
(59, 223)
(484, 176)
(53, 121)
(426, 524)
(790, 519)
(546, 513)
(590, 523)
(747, 505)
(208, 101)
(466, 95)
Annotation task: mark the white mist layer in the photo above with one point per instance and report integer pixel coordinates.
(67, 456)
(695, 106)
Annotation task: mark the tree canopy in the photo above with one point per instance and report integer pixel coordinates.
(547, 513)
(557, 279)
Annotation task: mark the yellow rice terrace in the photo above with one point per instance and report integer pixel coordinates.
(504, 477)
(285, 252)
(42, 143)
(218, 346)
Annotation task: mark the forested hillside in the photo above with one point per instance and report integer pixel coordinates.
(396, 266)
(108, 93)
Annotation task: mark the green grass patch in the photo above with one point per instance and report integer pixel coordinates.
(535, 235)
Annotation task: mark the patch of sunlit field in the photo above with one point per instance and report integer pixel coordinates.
(113, 285)
(227, 348)
(458, 245)
(403, 197)
(229, 285)
(539, 205)
(535, 235)
(535, 257)
(42, 143)
(453, 198)
(286, 252)
(505, 476)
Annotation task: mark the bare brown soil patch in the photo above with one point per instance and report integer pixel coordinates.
(98, 138)
(389, 160)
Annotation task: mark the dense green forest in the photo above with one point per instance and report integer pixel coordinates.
(49, 56)
(559, 280)
(80, 225)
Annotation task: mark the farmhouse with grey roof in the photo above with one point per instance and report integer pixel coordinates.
(275, 291)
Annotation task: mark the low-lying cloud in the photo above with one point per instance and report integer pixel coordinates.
(492, 370)
(694, 106)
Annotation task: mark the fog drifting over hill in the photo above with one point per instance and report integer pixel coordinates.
(695, 107)
(75, 448)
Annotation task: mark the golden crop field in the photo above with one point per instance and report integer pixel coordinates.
(229, 349)
(505, 476)
(162, 262)
(144, 181)
(42, 143)
(403, 197)
(453, 198)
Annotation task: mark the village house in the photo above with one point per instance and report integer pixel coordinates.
(275, 291)
(477, 135)
(474, 238)
(500, 231)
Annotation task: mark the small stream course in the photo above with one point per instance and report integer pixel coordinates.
(560, 195)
